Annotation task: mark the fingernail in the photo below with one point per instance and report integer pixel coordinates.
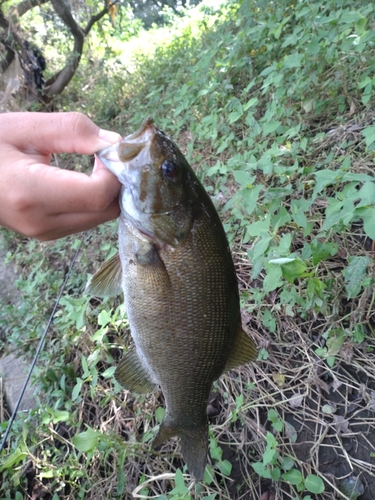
(108, 136)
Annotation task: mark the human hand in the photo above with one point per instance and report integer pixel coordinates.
(46, 202)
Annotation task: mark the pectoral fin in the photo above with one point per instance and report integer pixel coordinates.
(132, 375)
(243, 351)
(106, 282)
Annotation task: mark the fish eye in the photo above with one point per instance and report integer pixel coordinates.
(169, 168)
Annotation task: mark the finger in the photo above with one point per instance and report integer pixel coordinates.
(55, 133)
(61, 225)
(63, 191)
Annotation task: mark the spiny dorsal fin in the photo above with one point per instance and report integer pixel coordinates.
(132, 375)
(106, 282)
(243, 352)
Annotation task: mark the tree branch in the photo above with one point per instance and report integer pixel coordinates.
(26, 5)
(60, 80)
(97, 17)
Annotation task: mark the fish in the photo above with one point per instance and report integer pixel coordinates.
(180, 288)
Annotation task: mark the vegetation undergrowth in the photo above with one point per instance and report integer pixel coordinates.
(272, 104)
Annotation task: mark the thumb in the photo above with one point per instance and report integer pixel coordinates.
(46, 133)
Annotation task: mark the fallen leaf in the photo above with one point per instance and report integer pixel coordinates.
(296, 400)
(329, 409)
(347, 352)
(290, 432)
(341, 424)
(279, 379)
(336, 383)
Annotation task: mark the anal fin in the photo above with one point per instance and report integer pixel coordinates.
(243, 351)
(132, 375)
(106, 282)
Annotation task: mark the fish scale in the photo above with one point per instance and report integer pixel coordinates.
(180, 287)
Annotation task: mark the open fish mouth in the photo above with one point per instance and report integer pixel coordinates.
(145, 132)
(131, 152)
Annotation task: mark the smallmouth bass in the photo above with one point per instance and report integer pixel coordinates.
(179, 283)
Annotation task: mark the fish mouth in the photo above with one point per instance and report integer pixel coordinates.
(123, 158)
(135, 147)
(145, 132)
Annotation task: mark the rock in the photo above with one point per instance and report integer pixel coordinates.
(13, 371)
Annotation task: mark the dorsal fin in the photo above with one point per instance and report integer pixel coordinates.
(106, 282)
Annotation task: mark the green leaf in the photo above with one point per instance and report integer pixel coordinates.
(208, 475)
(60, 416)
(77, 389)
(274, 417)
(250, 198)
(104, 318)
(215, 451)
(271, 440)
(270, 127)
(86, 440)
(321, 251)
(290, 432)
(339, 211)
(282, 260)
(261, 470)
(250, 103)
(269, 321)
(314, 484)
(242, 177)
(335, 340)
(109, 372)
(86, 372)
(321, 352)
(287, 463)
(225, 467)
(275, 473)
(325, 178)
(354, 274)
(369, 135)
(13, 459)
(261, 247)
(366, 194)
(293, 270)
(159, 414)
(293, 476)
(281, 218)
(330, 361)
(293, 60)
(368, 216)
(350, 16)
(179, 481)
(273, 278)
(259, 228)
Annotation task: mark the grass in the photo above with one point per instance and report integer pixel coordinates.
(272, 106)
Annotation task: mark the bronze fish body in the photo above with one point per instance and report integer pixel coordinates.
(179, 283)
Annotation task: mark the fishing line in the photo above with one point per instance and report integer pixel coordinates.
(40, 347)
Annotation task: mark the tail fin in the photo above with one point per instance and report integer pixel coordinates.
(194, 444)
